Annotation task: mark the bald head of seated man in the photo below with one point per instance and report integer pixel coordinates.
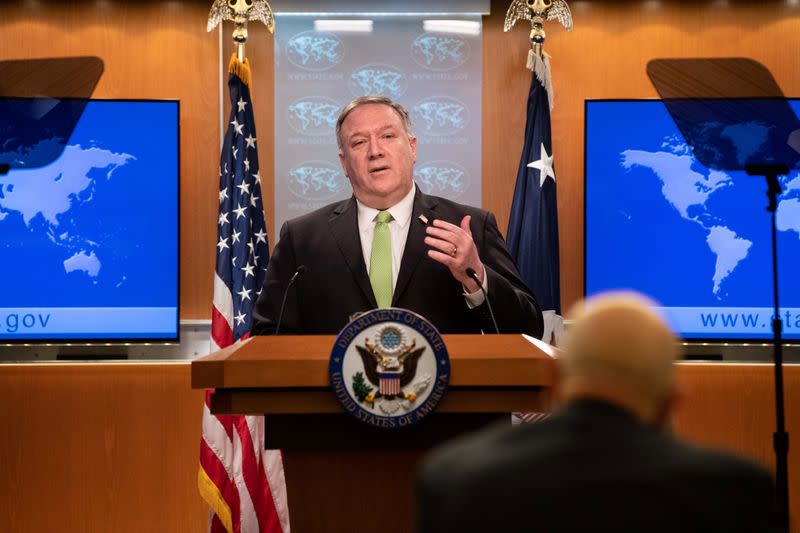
(603, 460)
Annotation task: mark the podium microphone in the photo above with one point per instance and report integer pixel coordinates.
(297, 273)
(474, 276)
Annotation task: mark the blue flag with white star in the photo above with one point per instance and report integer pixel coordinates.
(532, 236)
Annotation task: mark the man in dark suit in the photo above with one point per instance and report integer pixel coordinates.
(603, 461)
(391, 245)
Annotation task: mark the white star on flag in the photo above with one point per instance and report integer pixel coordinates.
(257, 176)
(261, 235)
(223, 193)
(240, 318)
(223, 218)
(251, 141)
(236, 126)
(223, 243)
(241, 104)
(239, 211)
(545, 166)
(248, 269)
(247, 165)
(235, 236)
(244, 293)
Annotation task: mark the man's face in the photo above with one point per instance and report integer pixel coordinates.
(377, 155)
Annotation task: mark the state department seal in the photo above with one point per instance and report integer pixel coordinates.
(389, 368)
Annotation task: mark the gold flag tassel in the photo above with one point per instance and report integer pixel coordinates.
(241, 69)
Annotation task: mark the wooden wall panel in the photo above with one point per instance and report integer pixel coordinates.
(97, 448)
(711, 412)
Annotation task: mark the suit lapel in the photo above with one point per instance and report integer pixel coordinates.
(415, 246)
(344, 227)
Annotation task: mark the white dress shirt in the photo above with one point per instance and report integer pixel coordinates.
(398, 228)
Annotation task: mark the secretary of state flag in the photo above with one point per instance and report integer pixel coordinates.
(533, 224)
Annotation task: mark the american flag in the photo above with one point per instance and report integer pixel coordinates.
(242, 483)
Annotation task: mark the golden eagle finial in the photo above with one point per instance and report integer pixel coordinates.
(537, 11)
(240, 11)
(244, 10)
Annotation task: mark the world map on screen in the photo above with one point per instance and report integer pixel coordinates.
(688, 189)
(53, 192)
(691, 237)
(97, 226)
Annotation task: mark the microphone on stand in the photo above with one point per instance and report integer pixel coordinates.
(297, 273)
(474, 276)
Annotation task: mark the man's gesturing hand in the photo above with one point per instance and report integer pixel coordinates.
(453, 247)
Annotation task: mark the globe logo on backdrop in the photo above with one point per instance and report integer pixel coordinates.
(313, 115)
(316, 180)
(376, 78)
(440, 115)
(439, 52)
(313, 50)
(442, 178)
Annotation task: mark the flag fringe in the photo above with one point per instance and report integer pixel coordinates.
(541, 68)
(240, 69)
(211, 494)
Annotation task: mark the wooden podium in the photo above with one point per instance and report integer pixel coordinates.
(342, 475)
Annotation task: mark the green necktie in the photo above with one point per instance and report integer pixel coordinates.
(380, 260)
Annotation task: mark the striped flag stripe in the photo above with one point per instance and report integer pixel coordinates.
(217, 431)
(221, 332)
(255, 478)
(272, 463)
(247, 514)
(529, 418)
(215, 471)
(216, 525)
(223, 300)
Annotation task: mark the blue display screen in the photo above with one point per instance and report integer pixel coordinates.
(89, 241)
(698, 241)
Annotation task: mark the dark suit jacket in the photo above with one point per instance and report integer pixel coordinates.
(592, 467)
(336, 285)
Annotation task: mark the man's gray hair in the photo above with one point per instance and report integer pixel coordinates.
(372, 99)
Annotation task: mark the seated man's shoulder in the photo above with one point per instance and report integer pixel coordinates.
(487, 451)
(698, 462)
